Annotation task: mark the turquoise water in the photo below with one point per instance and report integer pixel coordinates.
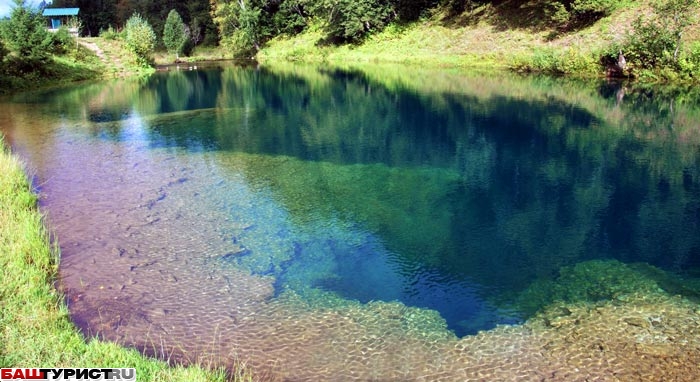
(466, 194)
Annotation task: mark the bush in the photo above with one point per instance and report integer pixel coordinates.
(650, 45)
(578, 13)
(570, 62)
(656, 45)
(689, 61)
(140, 39)
(109, 33)
(593, 8)
(62, 41)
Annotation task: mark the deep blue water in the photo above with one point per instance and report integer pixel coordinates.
(454, 193)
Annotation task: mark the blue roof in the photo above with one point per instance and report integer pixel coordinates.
(61, 11)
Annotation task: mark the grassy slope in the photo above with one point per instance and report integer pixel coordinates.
(89, 59)
(498, 36)
(35, 328)
(115, 59)
(76, 65)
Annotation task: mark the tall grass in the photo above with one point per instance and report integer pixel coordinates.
(35, 328)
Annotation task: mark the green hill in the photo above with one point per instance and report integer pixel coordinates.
(519, 35)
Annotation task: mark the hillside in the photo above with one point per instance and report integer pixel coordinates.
(507, 34)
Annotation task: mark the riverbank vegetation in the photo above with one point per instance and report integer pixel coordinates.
(30, 56)
(35, 327)
(652, 40)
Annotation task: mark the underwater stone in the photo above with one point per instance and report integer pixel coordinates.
(636, 321)
(238, 252)
(178, 181)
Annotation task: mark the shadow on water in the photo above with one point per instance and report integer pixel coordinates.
(445, 191)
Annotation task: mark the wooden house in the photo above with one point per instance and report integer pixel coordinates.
(58, 17)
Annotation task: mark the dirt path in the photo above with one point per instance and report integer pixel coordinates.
(93, 47)
(109, 55)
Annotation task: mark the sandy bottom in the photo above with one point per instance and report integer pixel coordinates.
(646, 338)
(131, 274)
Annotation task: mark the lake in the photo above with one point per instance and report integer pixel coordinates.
(371, 223)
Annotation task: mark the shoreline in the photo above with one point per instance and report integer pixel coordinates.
(635, 330)
(37, 329)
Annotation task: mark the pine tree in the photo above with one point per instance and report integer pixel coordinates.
(25, 35)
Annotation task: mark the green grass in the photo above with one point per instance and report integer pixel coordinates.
(35, 328)
(508, 35)
(114, 57)
(199, 54)
(78, 64)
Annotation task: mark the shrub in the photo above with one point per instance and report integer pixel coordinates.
(62, 41)
(576, 13)
(594, 8)
(109, 33)
(557, 13)
(570, 62)
(656, 45)
(650, 45)
(689, 61)
(74, 23)
(140, 39)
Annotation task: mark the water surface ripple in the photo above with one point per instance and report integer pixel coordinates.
(337, 225)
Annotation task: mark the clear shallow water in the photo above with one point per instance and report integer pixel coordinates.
(255, 211)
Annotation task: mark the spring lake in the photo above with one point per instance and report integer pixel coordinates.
(320, 223)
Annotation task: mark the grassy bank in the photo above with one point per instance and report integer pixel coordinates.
(83, 59)
(78, 64)
(488, 36)
(35, 327)
(501, 35)
(115, 59)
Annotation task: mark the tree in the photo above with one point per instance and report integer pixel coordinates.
(196, 31)
(352, 20)
(290, 17)
(198, 16)
(140, 38)
(241, 23)
(174, 34)
(26, 36)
